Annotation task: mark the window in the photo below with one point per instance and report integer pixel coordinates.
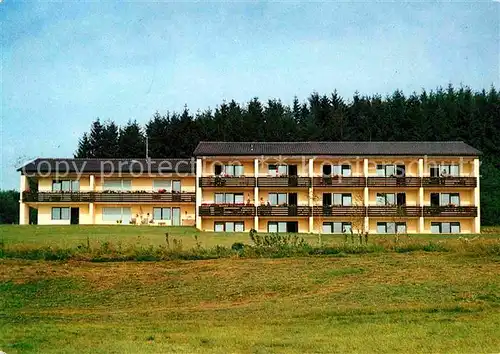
(229, 198)
(229, 226)
(162, 214)
(386, 199)
(391, 227)
(176, 186)
(114, 214)
(278, 198)
(65, 186)
(60, 213)
(445, 227)
(341, 170)
(230, 170)
(277, 170)
(336, 227)
(343, 199)
(273, 226)
(449, 171)
(391, 170)
(117, 185)
(162, 184)
(449, 198)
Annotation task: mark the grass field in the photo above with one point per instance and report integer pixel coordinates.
(382, 302)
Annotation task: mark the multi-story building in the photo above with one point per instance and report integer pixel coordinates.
(335, 187)
(332, 187)
(109, 191)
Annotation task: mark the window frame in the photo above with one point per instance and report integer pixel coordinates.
(60, 213)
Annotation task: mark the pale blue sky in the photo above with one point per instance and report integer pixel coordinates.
(64, 64)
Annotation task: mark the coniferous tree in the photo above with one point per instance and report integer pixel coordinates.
(131, 141)
(84, 147)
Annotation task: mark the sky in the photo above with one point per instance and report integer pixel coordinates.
(66, 63)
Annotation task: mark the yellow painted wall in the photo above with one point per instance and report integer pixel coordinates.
(45, 216)
(207, 224)
(466, 224)
(466, 195)
(411, 195)
(303, 223)
(356, 165)
(411, 224)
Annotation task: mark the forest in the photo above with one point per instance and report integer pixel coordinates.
(437, 115)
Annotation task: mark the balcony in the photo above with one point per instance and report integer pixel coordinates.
(227, 210)
(450, 211)
(339, 181)
(344, 211)
(109, 197)
(279, 211)
(457, 182)
(290, 181)
(395, 211)
(220, 182)
(394, 182)
(52, 197)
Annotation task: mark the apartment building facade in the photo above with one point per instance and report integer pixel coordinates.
(337, 187)
(329, 187)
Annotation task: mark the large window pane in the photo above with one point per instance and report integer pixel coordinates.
(229, 226)
(445, 227)
(455, 199)
(219, 227)
(238, 199)
(282, 170)
(435, 228)
(273, 198)
(454, 171)
(167, 213)
(445, 199)
(162, 184)
(56, 186)
(346, 227)
(273, 170)
(391, 228)
(56, 213)
(112, 185)
(380, 199)
(239, 226)
(380, 171)
(390, 170)
(126, 185)
(337, 227)
(75, 186)
(111, 214)
(282, 199)
(337, 199)
(229, 198)
(229, 170)
(156, 213)
(282, 226)
(176, 186)
(346, 170)
(455, 227)
(381, 228)
(220, 198)
(238, 171)
(390, 199)
(346, 199)
(327, 228)
(272, 227)
(64, 213)
(337, 170)
(401, 228)
(65, 186)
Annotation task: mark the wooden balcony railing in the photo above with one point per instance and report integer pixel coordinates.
(66, 197)
(110, 197)
(219, 181)
(395, 211)
(227, 210)
(292, 210)
(290, 181)
(450, 211)
(394, 182)
(339, 181)
(339, 211)
(449, 182)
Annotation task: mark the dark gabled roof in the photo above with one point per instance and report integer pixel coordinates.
(63, 165)
(336, 148)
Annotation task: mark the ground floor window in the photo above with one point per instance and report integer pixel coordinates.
(60, 213)
(229, 226)
(336, 227)
(162, 214)
(116, 214)
(445, 227)
(391, 227)
(282, 226)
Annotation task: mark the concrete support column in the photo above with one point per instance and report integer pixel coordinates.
(24, 210)
(92, 213)
(421, 195)
(366, 196)
(199, 166)
(477, 199)
(92, 183)
(311, 194)
(256, 193)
